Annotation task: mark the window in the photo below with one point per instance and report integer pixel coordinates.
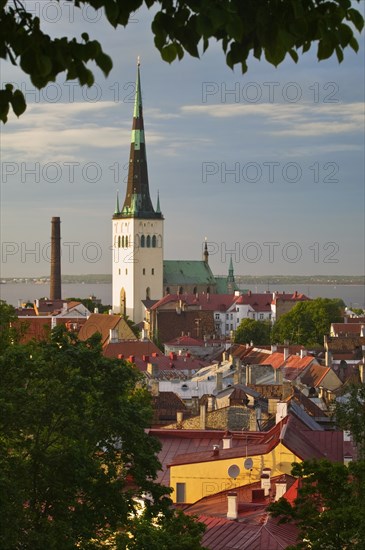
(231, 326)
(227, 328)
(119, 271)
(143, 271)
(195, 290)
(148, 293)
(126, 242)
(167, 290)
(261, 315)
(217, 316)
(154, 241)
(253, 316)
(148, 241)
(123, 244)
(143, 240)
(231, 316)
(126, 271)
(152, 271)
(180, 290)
(180, 492)
(119, 241)
(227, 316)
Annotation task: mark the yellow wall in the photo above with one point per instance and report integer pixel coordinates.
(207, 478)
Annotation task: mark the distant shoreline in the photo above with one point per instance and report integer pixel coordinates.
(241, 280)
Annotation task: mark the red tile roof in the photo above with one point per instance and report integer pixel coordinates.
(344, 329)
(185, 341)
(138, 348)
(258, 302)
(211, 302)
(285, 297)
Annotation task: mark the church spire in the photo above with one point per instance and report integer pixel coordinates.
(158, 208)
(137, 202)
(230, 277)
(206, 253)
(117, 209)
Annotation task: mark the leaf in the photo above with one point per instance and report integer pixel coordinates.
(112, 12)
(325, 49)
(104, 62)
(356, 18)
(18, 103)
(168, 53)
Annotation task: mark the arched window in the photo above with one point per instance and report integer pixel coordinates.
(123, 301)
(137, 241)
(123, 241)
(126, 242)
(195, 290)
(143, 240)
(167, 290)
(208, 289)
(148, 241)
(154, 241)
(119, 241)
(148, 293)
(181, 290)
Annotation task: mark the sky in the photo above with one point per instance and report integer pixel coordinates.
(267, 166)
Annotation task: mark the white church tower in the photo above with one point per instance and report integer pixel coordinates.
(137, 231)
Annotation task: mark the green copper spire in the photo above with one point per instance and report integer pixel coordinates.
(137, 202)
(230, 271)
(117, 209)
(158, 208)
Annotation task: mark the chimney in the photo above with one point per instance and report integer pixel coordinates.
(219, 381)
(203, 416)
(286, 349)
(227, 440)
(274, 348)
(96, 310)
(281, 411)
(265, 483)
(328, 359)
(179, 417)
(303, 353)
(215, 450)
(278, 375)
(211, 403)
(248, 374)
(55, 285)
(362, 331)
(232, 506)
(280, 489)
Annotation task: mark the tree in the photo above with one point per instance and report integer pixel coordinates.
(74, 452)
(328, 509)
(180, 532)
(8, 333)
(256, 331)
(270, 28)
(307, 322)
(350, 415)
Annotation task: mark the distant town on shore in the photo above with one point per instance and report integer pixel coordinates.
(240, 279)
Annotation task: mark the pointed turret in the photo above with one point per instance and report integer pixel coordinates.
(231, 286)
(158, 208)
(137, 202)
(230, 277)
(117, 209)
(206, 253)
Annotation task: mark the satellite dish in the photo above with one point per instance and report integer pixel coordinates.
(248, 463)
(234, 471)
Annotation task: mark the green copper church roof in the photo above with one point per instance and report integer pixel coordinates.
(185, 272)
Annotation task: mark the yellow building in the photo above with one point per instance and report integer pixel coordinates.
(241, 459)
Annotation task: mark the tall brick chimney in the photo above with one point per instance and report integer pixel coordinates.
(55, 286)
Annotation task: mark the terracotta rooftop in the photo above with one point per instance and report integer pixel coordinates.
(138, 348)
(185, 341)
(295, 297)
(346, 329)
(98, 322)
(207, 302)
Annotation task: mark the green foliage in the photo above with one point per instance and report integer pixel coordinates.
(256, 331)
(307, 322)
(328, 509)
(8, 333)
(90, 304)
(350, 415)
(267, 28)
(174, 531)
(72, 441)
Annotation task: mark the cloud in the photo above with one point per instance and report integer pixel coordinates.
(292, 119)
